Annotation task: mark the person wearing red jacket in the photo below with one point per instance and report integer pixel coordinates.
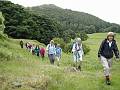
(42, 52)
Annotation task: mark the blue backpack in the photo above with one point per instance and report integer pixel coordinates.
(58, 50)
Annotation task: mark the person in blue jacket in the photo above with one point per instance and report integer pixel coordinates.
(58, 53)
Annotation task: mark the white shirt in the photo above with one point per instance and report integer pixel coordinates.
(50, 49)
(110, 43)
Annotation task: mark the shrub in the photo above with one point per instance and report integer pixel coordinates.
(68, 48)
(59, 41)
(86, 49)
(83, 36)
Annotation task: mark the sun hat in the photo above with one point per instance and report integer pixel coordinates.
(110, 34)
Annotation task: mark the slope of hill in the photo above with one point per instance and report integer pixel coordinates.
(72, 20)
(19, 70)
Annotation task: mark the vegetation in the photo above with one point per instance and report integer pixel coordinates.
(31, 72)
(59, 41)
(20, 70)
(45, 22)
(22, 24)
(67, 47)
(1, 23)
(73, 21)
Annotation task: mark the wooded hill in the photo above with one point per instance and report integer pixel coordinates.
(46, 22)
(74, 21)
(22, 24)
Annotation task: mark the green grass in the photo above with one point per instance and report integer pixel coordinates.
(17, 64)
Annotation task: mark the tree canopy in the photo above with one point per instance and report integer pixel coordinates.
(74, 20)
(46, 22)
(22, 24)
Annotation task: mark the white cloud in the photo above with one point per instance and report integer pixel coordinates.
(105, 9)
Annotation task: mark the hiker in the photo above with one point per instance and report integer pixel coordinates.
(26, 45)
(105, 54)
(78, 53)
(42, 52)
(33, 49)
(29, 47)
(51, 51)
(21, 44)
(58, 53)
(37, 50)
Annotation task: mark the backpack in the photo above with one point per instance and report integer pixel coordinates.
(50, 46)
(76, 47)
(58, 50)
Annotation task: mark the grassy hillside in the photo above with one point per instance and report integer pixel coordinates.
(18, 66)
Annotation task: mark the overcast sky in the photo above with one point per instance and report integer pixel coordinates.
(107, 10)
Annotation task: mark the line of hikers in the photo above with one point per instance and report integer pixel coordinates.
(34, 49)
(53, 51)
(105, 53)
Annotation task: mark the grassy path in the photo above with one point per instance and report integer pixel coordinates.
(18, 65)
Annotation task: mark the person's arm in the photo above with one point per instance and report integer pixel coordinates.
(47, 48)
(101, 48)
(55, 50)
(73, 48)
(116, 51)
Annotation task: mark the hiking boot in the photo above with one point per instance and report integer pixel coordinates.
(108, 82)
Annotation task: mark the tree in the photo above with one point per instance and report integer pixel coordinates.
(59, 41)
(23, 24)
(90, 29)
(72, 20)
(82, 35)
